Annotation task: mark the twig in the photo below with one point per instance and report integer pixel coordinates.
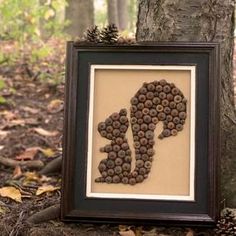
(52, 167)
(47, 214)
(35, 164)
(233, 121)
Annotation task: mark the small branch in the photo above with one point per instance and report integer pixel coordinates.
(52, 167)
(47, 214)
(233, 121)
(35, 164)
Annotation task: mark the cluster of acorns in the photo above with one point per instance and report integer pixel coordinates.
(155, 101)
(116, 168)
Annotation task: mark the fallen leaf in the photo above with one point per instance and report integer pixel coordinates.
(190, 233)
(2, 210)
(31, 121)
(48, 152)
(44, 132)
(11, 192)
(17, 172)
(55, 106)
(13, 123)
(31, 176)
(127, 233)
(28, 154)
(30, 110)
(46, 188)
(8, 115)
(3, 134)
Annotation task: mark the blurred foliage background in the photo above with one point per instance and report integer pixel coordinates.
(33, 33)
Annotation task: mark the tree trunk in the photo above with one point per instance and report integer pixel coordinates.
(122, 7)
(201, 20)
(81, 16)
(112, 12)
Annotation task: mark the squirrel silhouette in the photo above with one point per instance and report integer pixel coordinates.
(153, 102)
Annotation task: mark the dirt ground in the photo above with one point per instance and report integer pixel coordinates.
(31, 129)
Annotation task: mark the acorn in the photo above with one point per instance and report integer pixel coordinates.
(161, 116)
(172, 104)
(108, 179)
(123, 119)
(116, 179)
(159, 108)
(108, 121)
(110, 172)
(134, 101)
(140, 106)
(143, 90)
(147, 164)
(141, 134)
(103, 133)
(175, 91)
(125, 180)
(126, 166)
(179, 127)
(138, 114)
(165, 102)
(159, 88)
(169, 97)
(150, 95)
(118, 161)
(156, 100)
(148, 103)
(142, 98)
(102, 167)
(101, 126)
(110, 164)
(149, 134)
(166, 132)
(177, 98)
(147, 119)
(132, 181)
(151, 87)
(167, 88)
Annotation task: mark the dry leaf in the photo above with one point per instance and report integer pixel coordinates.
(3, 134)
(46, 188)
(31, 176)
(16, 122)
(55, 106)
(28, 154)
(31, 121)
(48, 152)
(17, 172)
(127, 233)
(8, 115)
(44, 132)
(31, 110)
(11, 192)
(190, 233)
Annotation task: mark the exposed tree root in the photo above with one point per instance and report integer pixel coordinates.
(47, 214)
(35, 164)
(52, 167)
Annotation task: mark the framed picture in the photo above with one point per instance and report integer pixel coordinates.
(141, 133)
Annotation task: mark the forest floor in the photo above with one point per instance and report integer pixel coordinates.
(31, 129)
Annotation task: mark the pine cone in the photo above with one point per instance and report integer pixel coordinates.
(226, 225)
(92, 35)
(109, 34)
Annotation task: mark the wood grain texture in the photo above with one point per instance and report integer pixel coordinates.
(201, 21)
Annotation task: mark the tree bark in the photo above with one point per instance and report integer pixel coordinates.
(80, 13)
(201, 20)
(122, 7)
(112, 12)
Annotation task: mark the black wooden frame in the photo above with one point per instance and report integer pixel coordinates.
(75, 206)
